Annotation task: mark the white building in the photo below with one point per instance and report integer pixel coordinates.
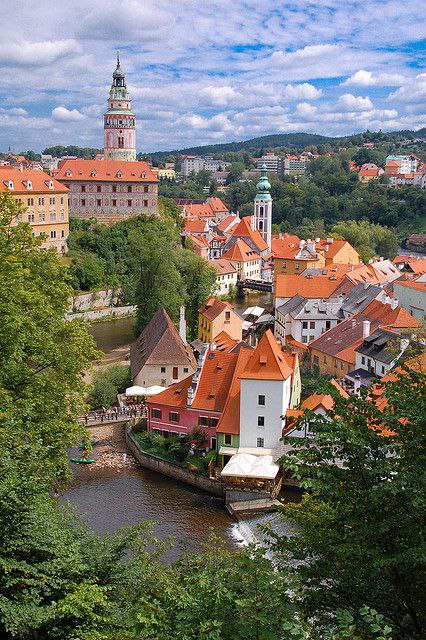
(198, 163)
(305, 320)
(265, 388)
(227, 276)
(273, 163)
(294, 165)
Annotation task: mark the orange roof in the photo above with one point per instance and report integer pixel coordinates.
(410, 284)
(245, 230)
(339, 388)
(370, 172)
(397, 318)
(240, 252)
(230, 419)
(223, 266)
(197, 209)
(106, 171)
(213, 307)
(319, 286)
(267, 362)
(39, 180)
(333, 248)
(217, 205)
(199, 241)
(174, 396)
(286, 246)
(417, 265)
(226, 222)
(317, 399)
(195, 225)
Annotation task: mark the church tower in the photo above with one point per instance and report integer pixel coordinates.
(119, 120)
(262, 216)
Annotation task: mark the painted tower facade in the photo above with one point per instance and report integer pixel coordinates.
(119, 120)
(262, 215)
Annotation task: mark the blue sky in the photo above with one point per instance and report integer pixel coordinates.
(207, 71)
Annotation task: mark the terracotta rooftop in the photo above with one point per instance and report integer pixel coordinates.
(38, 180)
(230, 419)
(227, 222)
(213, 307)
(159, 343)
(268, 361)
(240, 252)
(319, 286)
(285, 246)
(223, 266)
(196, 225)
(106, 171)
(245, 230)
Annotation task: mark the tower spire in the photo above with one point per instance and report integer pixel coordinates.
(119, 120)
(118, 58)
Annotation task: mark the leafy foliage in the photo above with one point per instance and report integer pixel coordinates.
(107, 384)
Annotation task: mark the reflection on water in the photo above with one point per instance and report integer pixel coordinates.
(110, 499)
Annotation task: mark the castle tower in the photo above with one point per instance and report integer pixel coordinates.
(119, 120)
(262, 215)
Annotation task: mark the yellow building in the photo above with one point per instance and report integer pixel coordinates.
(166, 174)
(216, 316)
(45, 202)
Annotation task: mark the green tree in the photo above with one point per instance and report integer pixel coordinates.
(361, 526)
(107, 383)
(235, 172)
(203, 177)
(198, 280)
(88, 273)
(42, 356)
(369, 239)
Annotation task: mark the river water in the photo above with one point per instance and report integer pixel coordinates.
(109, 499)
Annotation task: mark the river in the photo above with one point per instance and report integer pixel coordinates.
(109, 499)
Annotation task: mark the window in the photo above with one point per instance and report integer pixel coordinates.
(114, 203)
(163, 370)
(173, 416)
(316, 360)
(327, 324)
(311, 338)
(83, 202)
(51, 200)
(129, 188)
(98, 202)
(53, 217)
(228, 439)
(203, 421)
(260, 421)
(261, 400)
(284, 264)
(227, 316)
(260, 442)
(296, 266)
(362, 360)
(114, 189)
(62, 200)
(98, 188)
(83, 188)
(62, 234)
(156, 413)
(41, 217)
(53, 234)
(312, 325)
(129, 203)
(383, 369)
(212, 443)
(185, 369)
(145, 189)
(175, 373)
(41, 201)
(304, 339)
(214, 422)
(145, 203)
(304, 325)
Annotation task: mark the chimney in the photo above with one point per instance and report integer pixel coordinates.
(357, 385)
(366, 328)
(393, 303)
(330, 240)
(353, 323)
(213, 346)
(182, 324)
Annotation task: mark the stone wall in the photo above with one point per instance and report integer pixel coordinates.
(173, 470)
(96, 314)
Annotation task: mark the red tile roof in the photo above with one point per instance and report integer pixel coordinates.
(40, 181)
(241, 252)
(217, 205)
(267, 362)
(227, 222)
(245, 230)
(196, 225)
(230, 419)
(318, 286)
(285, 246)
(223, 266)
(213, 307)
(106, 171)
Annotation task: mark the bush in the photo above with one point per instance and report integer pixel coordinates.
(107, 384)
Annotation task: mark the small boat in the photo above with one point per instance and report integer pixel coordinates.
(93, 443)
(82, 460)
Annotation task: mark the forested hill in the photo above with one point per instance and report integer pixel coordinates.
(293, 141)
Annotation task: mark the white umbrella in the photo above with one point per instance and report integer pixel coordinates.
(152, 391)
(136, 391)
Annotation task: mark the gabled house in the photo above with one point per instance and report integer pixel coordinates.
(216, 316)
(160, 356)
(227, 275)
(246, 259)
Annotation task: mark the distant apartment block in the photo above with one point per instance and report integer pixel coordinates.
(198, 163)
(274, 164)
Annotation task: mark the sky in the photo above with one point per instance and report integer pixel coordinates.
(210, 71)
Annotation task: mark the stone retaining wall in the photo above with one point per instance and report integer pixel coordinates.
(173, 470)
(96, 314)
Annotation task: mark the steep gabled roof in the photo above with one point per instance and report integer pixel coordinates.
(230, 419)
(159, 343)
(245, 230)
(240, 252)
(223, 266)
(267, 362)
(213, 307)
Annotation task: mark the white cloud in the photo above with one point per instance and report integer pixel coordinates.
(218, 96)
(303, 91)
(62, 114)
(364, 78)
(412, 92)
(36, 54)
(306, 111)
(349, 102)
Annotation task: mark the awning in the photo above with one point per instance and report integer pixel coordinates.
(152, 391)
(246, 465)
(253, 311)
(136, 391)
(227, 451)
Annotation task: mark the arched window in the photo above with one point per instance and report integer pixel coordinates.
(260, 225)
(261, 211)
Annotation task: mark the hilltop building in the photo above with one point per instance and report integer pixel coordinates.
(119, 120)
(46, 203)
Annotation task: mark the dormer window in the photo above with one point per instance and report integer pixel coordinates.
(28, 184)
(9, 184)
(93, 174)
(119, 174)
(144, 175)
(68, 173)
(49, 184)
